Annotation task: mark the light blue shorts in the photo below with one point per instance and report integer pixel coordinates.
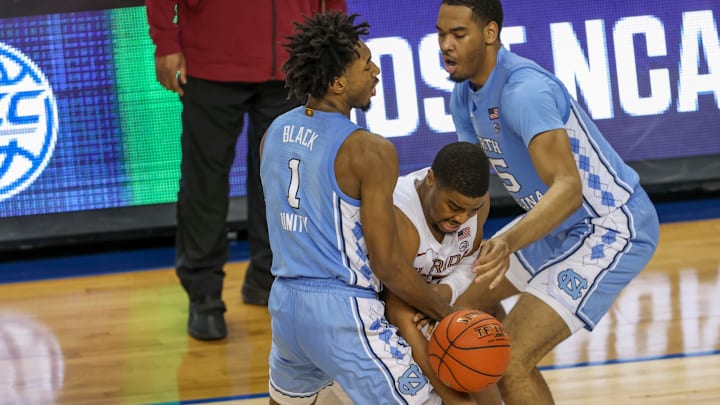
(581, 271)
(325, 331)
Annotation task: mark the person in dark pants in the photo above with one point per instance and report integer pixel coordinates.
(223, 59)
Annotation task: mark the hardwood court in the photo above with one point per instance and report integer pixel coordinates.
(120, 338)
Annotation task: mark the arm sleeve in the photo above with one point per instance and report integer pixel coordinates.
(461, 277)
(164, 32)
(540, 101)
(461, 116)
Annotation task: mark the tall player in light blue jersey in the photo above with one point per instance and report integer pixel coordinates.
(589, 227)
(328, 188)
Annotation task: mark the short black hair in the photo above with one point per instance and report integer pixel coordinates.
(319, 51)
(462, 167)
(483, 11)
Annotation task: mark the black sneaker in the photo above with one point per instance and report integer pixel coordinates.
(206, 320)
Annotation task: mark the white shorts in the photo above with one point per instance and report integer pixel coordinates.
(580, 272)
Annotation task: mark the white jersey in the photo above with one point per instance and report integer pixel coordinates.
(445, 262)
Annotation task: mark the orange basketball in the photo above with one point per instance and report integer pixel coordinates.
(469, 350)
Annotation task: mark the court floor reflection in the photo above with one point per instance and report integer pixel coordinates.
(32, 367)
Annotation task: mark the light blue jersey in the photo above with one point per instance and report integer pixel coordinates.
(328, 323)
(321, 234)
(521, 100)
(581, 266)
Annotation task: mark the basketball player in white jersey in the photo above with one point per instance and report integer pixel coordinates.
(441, 211)
(589, 227)
(328, 188)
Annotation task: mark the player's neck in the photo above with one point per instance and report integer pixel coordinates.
(327, 105)
(487, 67)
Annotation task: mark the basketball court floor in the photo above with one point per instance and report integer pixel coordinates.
(109, 328)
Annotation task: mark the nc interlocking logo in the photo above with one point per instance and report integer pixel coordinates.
(28, 121)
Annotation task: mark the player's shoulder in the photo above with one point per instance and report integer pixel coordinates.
(529, 80)
(526, 77)
(367, 150)
(528, 88)
(362, 141)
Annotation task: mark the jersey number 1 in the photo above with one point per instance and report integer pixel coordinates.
(294, 166)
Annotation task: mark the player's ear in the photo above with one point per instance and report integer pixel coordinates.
(338, 85)
(491, 33)
(430, 178)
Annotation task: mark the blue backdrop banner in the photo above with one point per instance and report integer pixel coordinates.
(84, 125)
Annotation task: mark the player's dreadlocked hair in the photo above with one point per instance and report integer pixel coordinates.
(462, 167)
(320, 51)
(483, 11)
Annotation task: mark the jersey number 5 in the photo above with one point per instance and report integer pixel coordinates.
(511, 184)
(294, 166)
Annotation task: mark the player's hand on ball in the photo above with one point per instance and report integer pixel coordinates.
(493, 262)
(424, 324)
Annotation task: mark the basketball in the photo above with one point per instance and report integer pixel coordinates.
(469, 350)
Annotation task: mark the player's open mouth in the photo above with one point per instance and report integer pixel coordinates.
(450, 65)
(449, 227)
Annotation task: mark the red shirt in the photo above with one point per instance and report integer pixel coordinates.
(229, 40)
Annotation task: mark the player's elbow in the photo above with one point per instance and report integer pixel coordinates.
(575, 193)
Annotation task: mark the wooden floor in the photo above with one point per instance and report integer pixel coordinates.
(121, 339)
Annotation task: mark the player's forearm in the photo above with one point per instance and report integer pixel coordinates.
(563, 198)
(404, 282)
(419, 345)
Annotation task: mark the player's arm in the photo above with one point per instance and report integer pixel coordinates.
(374, 162)
(536, 109)
(541, 109)
(401, 315)
(554, 162)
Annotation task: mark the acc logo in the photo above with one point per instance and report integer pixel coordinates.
(28, 121)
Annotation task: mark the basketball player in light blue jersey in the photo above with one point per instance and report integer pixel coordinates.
(328, 188)
(589, 227)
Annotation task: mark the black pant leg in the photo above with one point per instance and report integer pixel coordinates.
(270, 100)
(212, 118)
